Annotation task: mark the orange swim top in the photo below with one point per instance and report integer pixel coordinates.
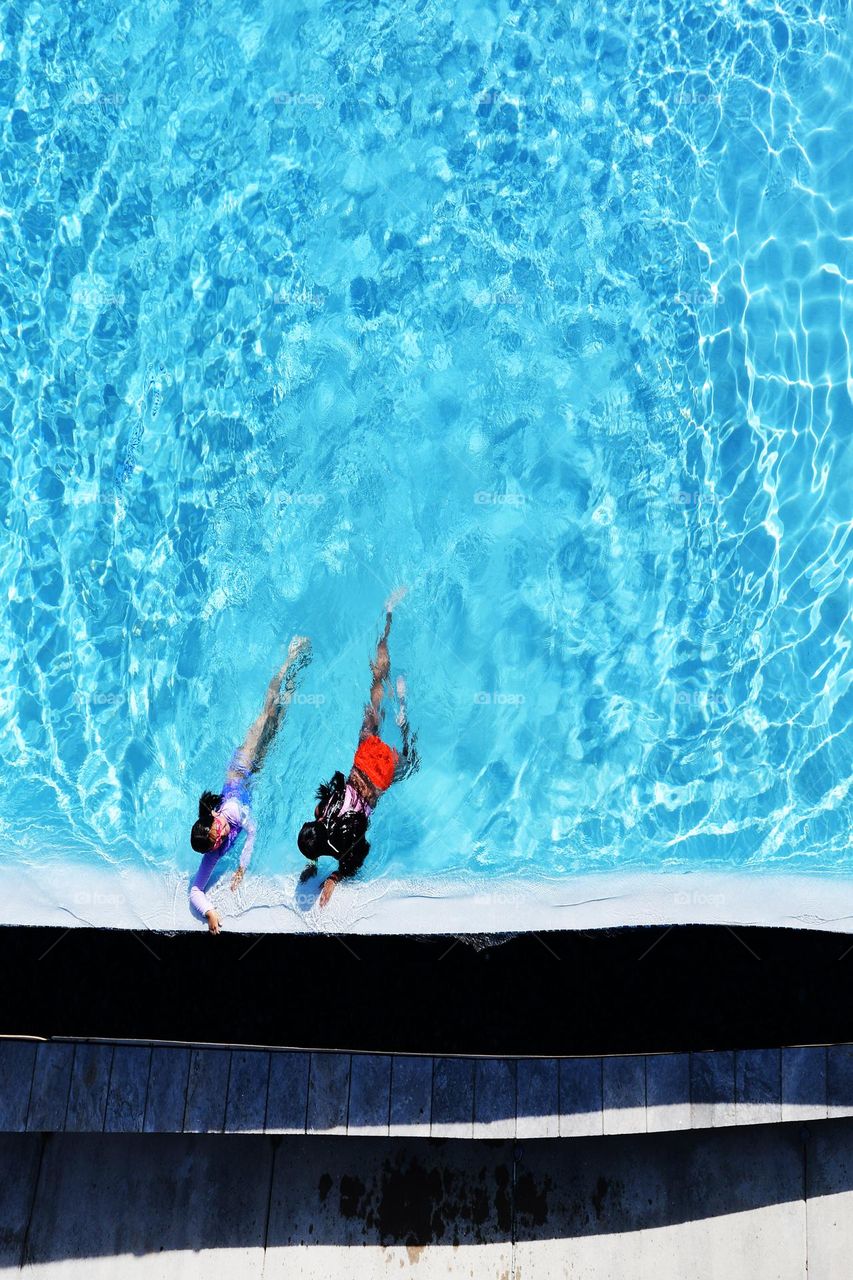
(377, 761)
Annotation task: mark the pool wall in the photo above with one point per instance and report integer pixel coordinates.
(624, 991)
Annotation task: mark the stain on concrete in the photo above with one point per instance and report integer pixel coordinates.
(607, 1197)
(324, 1186)
(531, 1200)
(410, 1198)
(602, 1186)
(352, 1197)
(503, 1198)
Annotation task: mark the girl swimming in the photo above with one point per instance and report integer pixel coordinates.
(345, 805)
(223, 817)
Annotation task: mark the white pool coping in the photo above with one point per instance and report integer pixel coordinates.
(140, 899)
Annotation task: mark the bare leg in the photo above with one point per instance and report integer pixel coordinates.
(381, 667)
(409, 759)
(266, 726)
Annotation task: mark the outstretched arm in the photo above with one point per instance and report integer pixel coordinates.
(198, 899)
(349, 864)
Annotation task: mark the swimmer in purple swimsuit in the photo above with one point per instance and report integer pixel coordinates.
(223, 818)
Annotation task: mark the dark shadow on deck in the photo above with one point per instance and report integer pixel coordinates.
(81, 1196)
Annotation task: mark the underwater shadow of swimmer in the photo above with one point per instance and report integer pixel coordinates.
(307, 891)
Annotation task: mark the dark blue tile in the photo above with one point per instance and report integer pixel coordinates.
(370, 1093)
(287, 1097)
(51, 1082)
(328, 1092)
(453, 1098)
(411, 1095)
(804, 1083)
(624, 1094)
(581, 1105)
(167, 1090)
(90, 1082)
(17, 1064)
(128, 1089)
(494, 1098)
(207, 1090)
(712, 1089)
(247, 1091)
(538, 1098)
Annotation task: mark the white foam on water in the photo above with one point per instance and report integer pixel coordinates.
(138, 899)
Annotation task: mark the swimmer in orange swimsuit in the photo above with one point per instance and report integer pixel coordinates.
(345, 805)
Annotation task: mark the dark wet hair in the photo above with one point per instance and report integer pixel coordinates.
(200, 839)
(341, 838)
(312, 841)
(331, 790)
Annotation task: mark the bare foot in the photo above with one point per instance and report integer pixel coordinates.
(300, 646)
(394, 599)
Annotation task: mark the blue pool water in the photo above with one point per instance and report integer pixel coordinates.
(542, 310)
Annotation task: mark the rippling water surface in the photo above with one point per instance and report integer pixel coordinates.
(542, 310)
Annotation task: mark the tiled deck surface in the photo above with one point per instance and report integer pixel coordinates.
(128, 1088)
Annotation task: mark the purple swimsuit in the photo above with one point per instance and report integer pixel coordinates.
(236, 807)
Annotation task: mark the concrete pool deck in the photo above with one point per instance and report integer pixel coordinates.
(101, 1087)
(771, 1202)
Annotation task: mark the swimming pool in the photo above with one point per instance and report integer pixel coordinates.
(541, 311)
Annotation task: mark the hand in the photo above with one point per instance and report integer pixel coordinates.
(237, 877)
(212, 920)
(328, 889)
